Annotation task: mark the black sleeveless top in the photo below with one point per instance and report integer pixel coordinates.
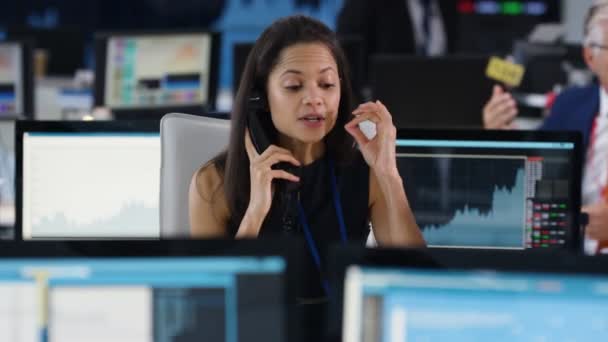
(316, 197)
(315, 193)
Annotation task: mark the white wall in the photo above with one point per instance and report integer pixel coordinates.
(573, 16)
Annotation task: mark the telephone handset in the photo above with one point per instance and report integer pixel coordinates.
(258, 123)
(260, 127)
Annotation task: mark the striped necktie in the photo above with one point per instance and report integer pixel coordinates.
(426, 17)
(426, 25)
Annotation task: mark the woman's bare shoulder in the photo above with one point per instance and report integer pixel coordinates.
(207, 178)
(208, 183)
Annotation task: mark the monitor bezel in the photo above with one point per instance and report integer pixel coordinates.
(154, 113)
(30, 126)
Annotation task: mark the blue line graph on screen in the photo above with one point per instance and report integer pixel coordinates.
(467, 201)
(501, 227)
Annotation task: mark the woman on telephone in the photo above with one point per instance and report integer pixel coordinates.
(292, 165)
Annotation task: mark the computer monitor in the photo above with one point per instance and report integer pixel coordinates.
(437, 92)
(162, 291)
(16, 80)
(546, 69)
(574, 56)
(64, 47)
(461, 299)
(491, 26)
(87, 180)
(146, 75)
(544, 65)
(493, 189)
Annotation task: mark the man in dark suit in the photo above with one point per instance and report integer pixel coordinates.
(584, 109)
(401, 26)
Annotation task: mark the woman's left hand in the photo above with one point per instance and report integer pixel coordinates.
(379, 152)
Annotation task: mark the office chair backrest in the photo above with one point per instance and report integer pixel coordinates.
(187, 142)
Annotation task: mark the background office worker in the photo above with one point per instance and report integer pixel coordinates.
(297, 68)
(423, 27)
(412, 27)
(584, 109)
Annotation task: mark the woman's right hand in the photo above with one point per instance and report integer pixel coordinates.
(261, 176)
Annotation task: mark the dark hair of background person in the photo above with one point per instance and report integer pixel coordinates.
(233, 164)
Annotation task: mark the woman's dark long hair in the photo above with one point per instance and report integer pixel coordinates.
(283, 33)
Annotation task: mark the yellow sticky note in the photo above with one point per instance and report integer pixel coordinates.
(504, 71)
